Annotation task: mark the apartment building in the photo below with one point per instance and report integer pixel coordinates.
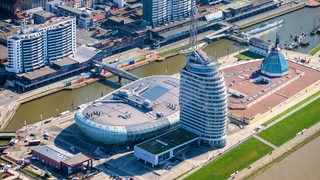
(161, 12)
(32, 48)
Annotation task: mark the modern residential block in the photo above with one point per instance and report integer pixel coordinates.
(161, 12)
(32, 48)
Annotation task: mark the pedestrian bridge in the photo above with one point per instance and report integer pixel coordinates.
(7, 135)
(118, 72)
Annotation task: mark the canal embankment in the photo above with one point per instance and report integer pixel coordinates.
(6, 114)
(90, 80)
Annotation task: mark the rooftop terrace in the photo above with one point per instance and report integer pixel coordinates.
(167, 141)
(258, 98)
(234, 5)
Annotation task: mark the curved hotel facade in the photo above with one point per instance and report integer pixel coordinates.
(203, 99)
(34, 47)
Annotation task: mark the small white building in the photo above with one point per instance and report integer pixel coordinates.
(160, 149)
(259, 46)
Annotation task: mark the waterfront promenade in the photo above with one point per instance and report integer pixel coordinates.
(190, 162)
(250, 131)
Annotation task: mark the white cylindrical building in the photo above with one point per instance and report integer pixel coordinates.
(25, 52)
(161, 12)
(61, 41)
(34, 47)
(203, 99)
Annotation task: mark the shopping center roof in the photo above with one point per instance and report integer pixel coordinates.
(146, 100)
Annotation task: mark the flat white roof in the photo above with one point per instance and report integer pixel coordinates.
(162, 92)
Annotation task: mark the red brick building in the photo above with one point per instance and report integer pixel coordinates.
(60, 159)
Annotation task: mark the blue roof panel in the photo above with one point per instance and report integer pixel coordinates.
(154, 93)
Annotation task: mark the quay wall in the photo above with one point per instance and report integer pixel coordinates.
(267, 17)
(10, 111)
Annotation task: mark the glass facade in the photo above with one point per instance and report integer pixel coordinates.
(106, 134)
(275, 64)
(203, 99)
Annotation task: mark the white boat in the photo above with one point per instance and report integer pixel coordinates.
(264, 27)
(64, 113)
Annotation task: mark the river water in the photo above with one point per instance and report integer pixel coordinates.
(51, 105)
(302, 164)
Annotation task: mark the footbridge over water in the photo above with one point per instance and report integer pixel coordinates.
(118, 72)
(226, 29)
(7, 135)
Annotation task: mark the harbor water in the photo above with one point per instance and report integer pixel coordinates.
(54, 104)
(295, 23)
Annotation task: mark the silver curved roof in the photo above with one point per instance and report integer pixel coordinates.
(146, 100)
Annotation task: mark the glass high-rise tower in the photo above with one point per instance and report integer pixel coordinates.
(203, 99)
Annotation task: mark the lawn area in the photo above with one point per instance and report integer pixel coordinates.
(164, 53)
(235, 160)
(247, 55)
(287, 129)
(315, 50)
(291, 108)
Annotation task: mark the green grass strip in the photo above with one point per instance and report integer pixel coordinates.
(315, 50)
(290, 109)
(235, 160)
(287, 129)
(248, 55)
(174, 50)
(32, 174)
(286, 154)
